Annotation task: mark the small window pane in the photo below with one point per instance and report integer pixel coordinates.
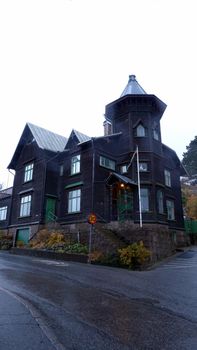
(123, 169)
(145, 199)
(170, 209)
(140, 130)
(160, 201)
(3, 213)
(74, 201)
(25, 206)
(167, 176)
(107, 163)
(28, 172)
(75, 164)
(143, 166)
(155, 134)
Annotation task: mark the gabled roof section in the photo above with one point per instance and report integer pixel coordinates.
(46, 139)
(133, 87)
(171, 154)
(81, 138)
(7, 192)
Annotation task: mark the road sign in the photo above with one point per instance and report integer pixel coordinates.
(92, 219)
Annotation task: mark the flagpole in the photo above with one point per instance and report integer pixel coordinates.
(139, 189)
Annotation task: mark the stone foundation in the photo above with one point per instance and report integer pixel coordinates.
(107, 238)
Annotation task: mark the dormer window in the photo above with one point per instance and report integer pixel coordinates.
(75, 164)
(140, 131)
(28, 176)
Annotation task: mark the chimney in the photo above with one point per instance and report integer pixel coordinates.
(107, 128)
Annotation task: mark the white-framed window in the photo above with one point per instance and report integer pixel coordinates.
(143, 166)
(3, 213)
(170, 209)
(75, 164)
(140, 131)
(25, 206)
(145, 199)
(28, 176)
(167, 176)
(74, 201)
(123, 169)
(160, 201)
(107, 163)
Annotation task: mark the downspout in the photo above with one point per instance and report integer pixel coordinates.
(42, 218)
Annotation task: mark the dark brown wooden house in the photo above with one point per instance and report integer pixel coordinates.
(126, 175)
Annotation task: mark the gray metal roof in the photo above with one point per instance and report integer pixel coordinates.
(7, 192)
(122, 178)
(81, 137)
(133, 87)
(46, 139)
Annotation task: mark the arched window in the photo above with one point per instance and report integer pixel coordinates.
(140, 131)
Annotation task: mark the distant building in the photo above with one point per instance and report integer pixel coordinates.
(64, 180)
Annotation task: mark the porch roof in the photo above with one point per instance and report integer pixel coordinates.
(121, 178)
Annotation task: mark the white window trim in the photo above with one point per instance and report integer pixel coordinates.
(141, 164)
(124, 169)
(75, 164)
(170, 209)
(25, 205)
(28, 175)
(107, 163)
(74, 201)
(140, 130)
(145, 200)
(3, 213)
(167, 176)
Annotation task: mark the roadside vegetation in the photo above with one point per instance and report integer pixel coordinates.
(133, 256)
(5, 241)
(57, 242)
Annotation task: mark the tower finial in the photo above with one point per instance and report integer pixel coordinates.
(132, 77)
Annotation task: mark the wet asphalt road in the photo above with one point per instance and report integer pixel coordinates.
(48, 304)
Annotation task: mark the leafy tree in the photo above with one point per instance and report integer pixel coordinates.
(192, 207)
(190, 157)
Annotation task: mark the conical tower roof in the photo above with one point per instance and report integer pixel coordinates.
(133, 87)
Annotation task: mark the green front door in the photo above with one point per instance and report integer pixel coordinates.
(50, 209)
(125, 203)
(22, 236)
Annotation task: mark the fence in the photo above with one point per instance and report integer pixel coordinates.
(191, 226)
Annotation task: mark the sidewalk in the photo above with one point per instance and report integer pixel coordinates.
(18, 328)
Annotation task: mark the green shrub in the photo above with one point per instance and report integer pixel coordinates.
(6, 241)
(76, 248)
(134, 255)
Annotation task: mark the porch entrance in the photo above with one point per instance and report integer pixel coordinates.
(122, 202)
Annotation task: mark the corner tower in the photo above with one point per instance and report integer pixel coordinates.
(137, 115)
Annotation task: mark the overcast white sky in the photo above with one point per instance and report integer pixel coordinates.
(62, 61)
